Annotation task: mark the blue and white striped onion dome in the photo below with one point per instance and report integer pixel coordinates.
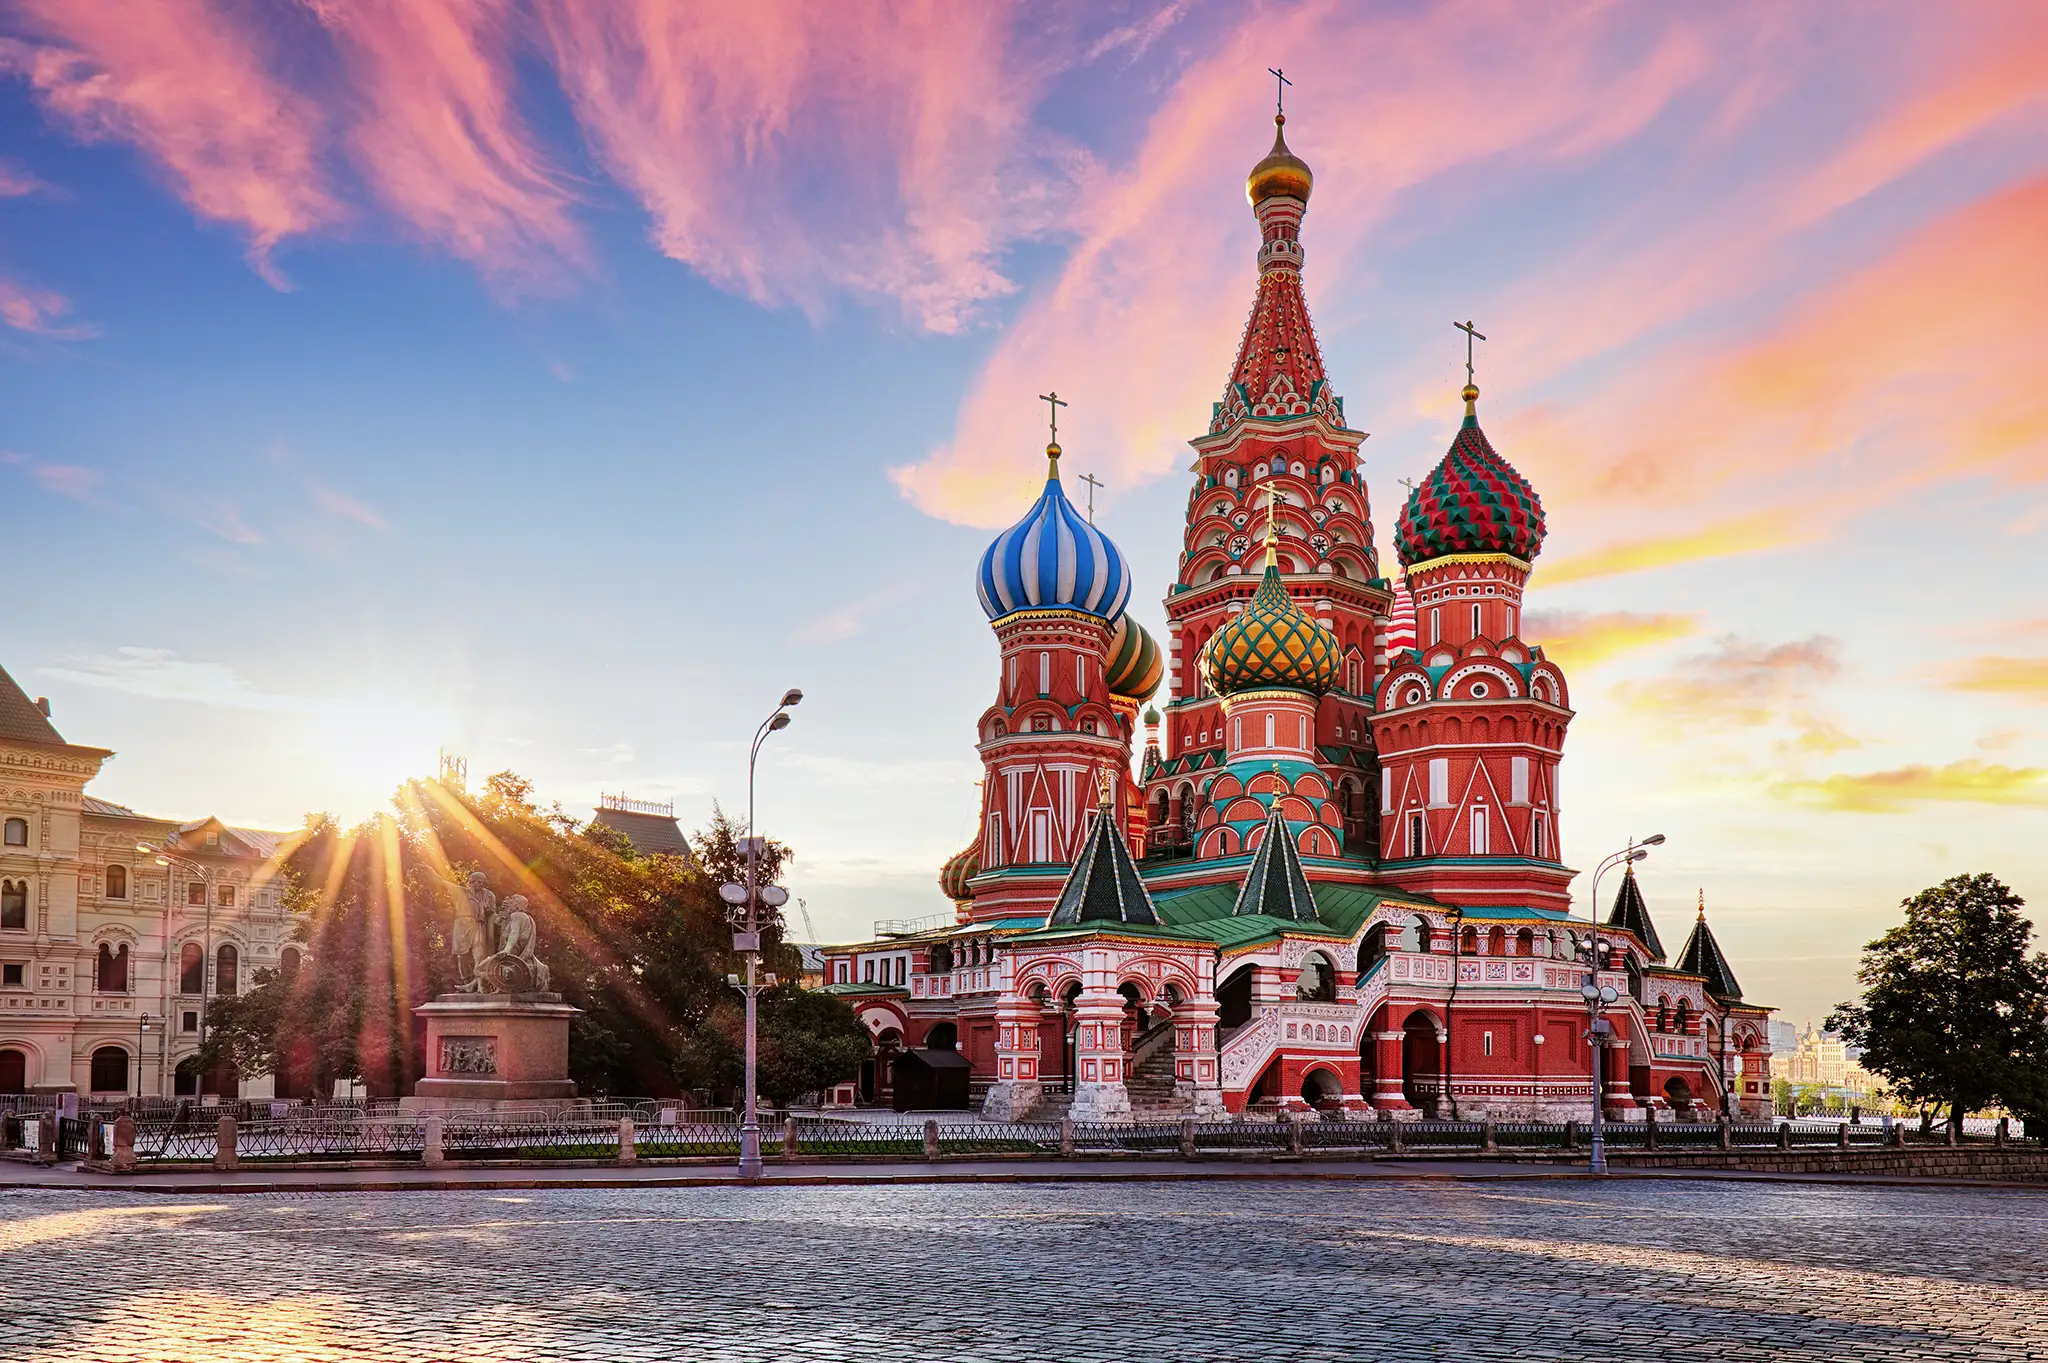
(1053, 560)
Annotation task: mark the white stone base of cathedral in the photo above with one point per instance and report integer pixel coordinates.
(1010, 1100)
(1100, 1103)
(1203, 1103)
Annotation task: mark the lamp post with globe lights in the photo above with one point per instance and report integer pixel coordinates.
(1600, 997)
(747, 940)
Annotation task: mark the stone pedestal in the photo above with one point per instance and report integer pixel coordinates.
(487, 1049)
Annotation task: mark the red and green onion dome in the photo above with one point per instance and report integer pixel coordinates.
(960, 868)
(1272, 643)
(1473, 502)
(1134, 668)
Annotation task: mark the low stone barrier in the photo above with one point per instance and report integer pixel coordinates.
(1991, 1164)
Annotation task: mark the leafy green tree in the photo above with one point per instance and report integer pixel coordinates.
(1955, 1007)
(641, 944)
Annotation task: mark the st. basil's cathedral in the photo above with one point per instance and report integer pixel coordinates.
(1332, 879)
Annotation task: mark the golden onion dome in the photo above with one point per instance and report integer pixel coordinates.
(1282, 173)
(1273, 643)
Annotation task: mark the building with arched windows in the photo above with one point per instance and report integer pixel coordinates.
(1335, 878)
(95, 936)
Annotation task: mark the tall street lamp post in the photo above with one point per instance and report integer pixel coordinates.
(141, 1037)
(753, 895)
(1600, 997)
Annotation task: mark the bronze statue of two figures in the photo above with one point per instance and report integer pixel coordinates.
(495, 944)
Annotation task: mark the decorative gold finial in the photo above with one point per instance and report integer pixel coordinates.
(1273, 525)
(1052, 447)
(1282, 173)
(1703, 905)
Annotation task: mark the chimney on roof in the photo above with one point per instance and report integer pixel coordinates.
(43, 704)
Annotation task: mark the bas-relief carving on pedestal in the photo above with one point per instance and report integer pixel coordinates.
(469, 1055)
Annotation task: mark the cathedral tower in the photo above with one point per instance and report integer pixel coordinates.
(1470, 721)
(1277, 457)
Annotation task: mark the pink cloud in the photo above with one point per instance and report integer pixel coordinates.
(347, 507)
(440, 138)
(74, 481)
(17, 183)
(183, 81)
(788, 151)
(40, 312)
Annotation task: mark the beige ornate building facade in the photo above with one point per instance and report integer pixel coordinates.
(109, 960)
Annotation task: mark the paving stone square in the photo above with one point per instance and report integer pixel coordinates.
(1221, 1270)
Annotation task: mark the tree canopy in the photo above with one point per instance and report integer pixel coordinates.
(642, 944)
(1955, 1004)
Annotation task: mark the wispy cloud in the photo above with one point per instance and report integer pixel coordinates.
(1743, 684)
(1580, 639)
(849, 620)
(790, 152)
(160, 674)
(1902, 788)
(183, 81)
(1741, 535)
(17, 183)
(75, 481)
(218, 517)
(2021, 678)
(347, 507)
(440, 137)
(40, 312)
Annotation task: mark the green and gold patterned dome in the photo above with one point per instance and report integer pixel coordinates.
(1272, 644)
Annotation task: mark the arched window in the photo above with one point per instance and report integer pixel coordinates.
(191, 968)
(110, 1070)
(288, 964)
(117, 882)
(110, 975)
(1525, 943)
(1497, 943)
(14, 905)
(1682, 1024)
(14, 833)
(1469, 942)
(13, 1072)
(225, 962)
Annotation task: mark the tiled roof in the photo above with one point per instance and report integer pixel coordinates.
(1275, 885)
(108, 809)
(651, 834)
(1104, 886)
(21, 719)
(1702, 956)
(1633, 915)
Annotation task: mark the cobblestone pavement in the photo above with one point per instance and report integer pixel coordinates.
(1037, 1273)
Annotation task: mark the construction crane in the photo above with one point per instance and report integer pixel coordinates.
(810, 933)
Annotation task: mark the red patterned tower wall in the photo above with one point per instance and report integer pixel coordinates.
(1470, 731)
(1045, 744)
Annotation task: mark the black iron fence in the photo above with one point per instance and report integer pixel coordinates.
(311, 1136)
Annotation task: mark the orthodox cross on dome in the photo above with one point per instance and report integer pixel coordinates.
(1273, 504)
(1056, 402)
(1470, 337)
(1093, 483)
(1279, 91)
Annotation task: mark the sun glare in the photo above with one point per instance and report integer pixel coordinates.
(370, 746)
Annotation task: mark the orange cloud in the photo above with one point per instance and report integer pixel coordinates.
(1585, 640)
(182, 81)
(1739, 535)
(1895, 791)
(2024, 678)
(40, 312)
(1741, 683)
(786, 150)
(441, 140)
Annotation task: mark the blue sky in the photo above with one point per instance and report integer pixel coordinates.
(558, 389)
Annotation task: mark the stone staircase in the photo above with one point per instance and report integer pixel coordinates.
(1052, 1106)
(1150, 1084)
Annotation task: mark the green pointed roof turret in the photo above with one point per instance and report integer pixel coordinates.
(1631, 914)
(1702, 956)
(1275, 885)
(1104, 886)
